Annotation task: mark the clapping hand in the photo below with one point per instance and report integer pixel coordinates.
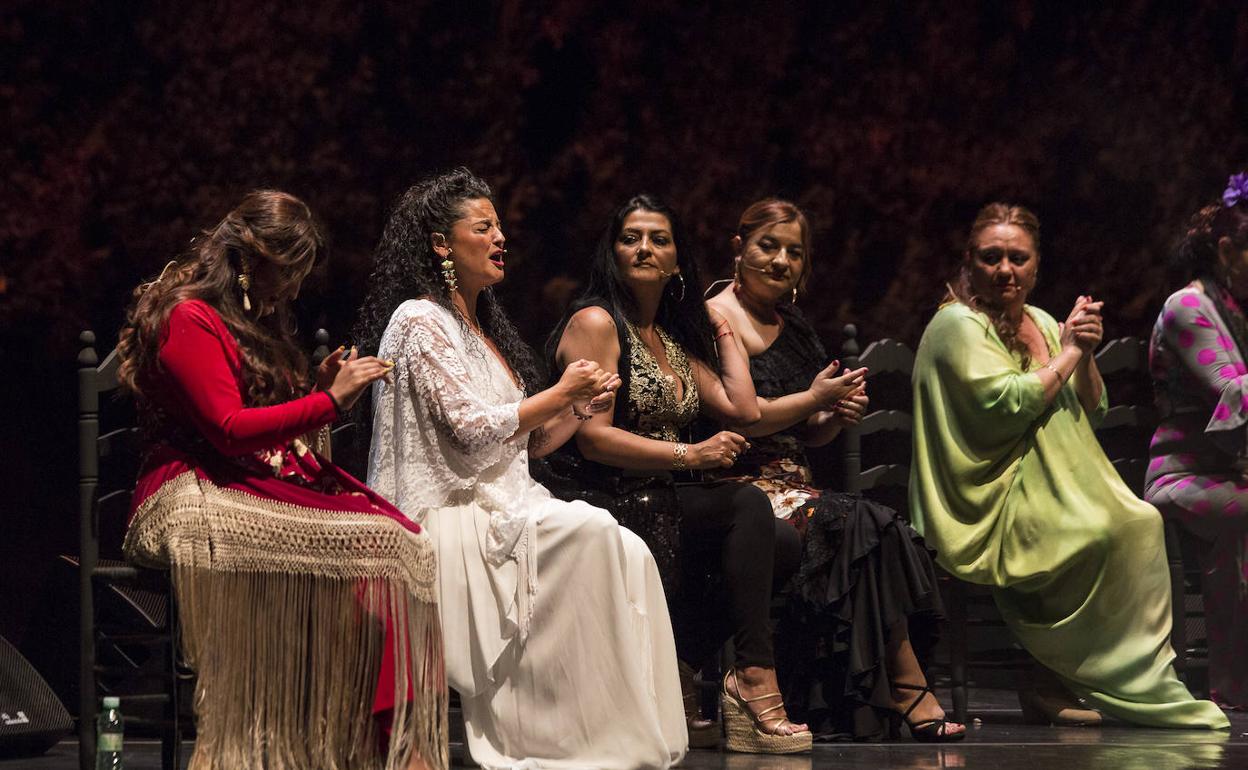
(851, 409)
(345, 375)
(590, 388)
(1083, 327)
(829, 388)
(603, 402)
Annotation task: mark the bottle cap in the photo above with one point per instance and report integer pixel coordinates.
(112, 702)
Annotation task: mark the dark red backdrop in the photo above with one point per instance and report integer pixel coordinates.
(129, 125)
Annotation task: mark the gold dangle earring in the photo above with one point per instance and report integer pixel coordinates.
(448, 273)
(244, 282)
(794, 300)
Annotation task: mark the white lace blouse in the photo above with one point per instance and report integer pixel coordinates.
(443, 432)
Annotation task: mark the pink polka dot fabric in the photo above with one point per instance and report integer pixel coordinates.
(1202, 378)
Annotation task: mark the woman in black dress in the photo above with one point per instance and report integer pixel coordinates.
(866, 586)
(717, 544)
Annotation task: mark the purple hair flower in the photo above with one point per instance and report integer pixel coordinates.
(1236, 190)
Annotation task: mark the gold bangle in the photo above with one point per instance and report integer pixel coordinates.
(679, 452)
(1060, 377)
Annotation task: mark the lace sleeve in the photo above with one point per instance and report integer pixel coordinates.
(441, 387)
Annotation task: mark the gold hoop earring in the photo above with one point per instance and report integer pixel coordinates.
(448, 273)
(244, 282)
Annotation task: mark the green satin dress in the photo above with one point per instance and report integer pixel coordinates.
(1019, 496)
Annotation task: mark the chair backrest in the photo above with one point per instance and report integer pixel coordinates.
(1125, 431)
(108, 453)
(882, 441)
(109, 449)
(350, 436)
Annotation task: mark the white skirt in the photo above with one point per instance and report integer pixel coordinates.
(595, 683)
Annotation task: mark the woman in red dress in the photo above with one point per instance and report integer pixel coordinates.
(306, 600)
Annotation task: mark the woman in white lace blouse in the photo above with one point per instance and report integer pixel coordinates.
(556, 629)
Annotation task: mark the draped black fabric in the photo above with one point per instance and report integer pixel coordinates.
(864, 569)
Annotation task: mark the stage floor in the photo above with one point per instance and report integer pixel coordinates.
(997, 742)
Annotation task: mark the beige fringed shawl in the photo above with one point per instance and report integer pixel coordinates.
(284, 612)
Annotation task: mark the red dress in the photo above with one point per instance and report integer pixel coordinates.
(283, 564)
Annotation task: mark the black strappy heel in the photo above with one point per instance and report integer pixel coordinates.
(927, 731)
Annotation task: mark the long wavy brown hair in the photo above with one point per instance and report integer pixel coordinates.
(273, 238)
(960, 288)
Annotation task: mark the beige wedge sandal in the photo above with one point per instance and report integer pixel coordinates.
(757, 733)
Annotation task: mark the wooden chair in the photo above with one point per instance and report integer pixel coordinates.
(132, 649)
(887, 431)
(128, 630)
(350, 436)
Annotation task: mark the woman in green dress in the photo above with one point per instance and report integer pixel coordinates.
(1010, 486)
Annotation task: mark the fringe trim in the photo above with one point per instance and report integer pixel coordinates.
(192, 522)
(285, 615)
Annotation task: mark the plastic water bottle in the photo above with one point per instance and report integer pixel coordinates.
(109, 727)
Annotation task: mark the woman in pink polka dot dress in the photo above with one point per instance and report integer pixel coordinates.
(1198, 472)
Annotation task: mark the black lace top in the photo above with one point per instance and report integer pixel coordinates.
(786, 367)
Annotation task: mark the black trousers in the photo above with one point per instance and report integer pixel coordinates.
(733, 552)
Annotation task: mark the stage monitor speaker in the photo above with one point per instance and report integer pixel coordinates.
(32, 718)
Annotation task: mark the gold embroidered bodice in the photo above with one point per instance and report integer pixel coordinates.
(654, 410)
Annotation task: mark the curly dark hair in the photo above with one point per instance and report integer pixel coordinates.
(682, 315)
(273, 238)
(1196, 253)
(1195, 256)
(960, 289)
(406, 267)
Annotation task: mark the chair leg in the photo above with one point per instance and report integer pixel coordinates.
(171, 739)
(957, 649)
(86, 680)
